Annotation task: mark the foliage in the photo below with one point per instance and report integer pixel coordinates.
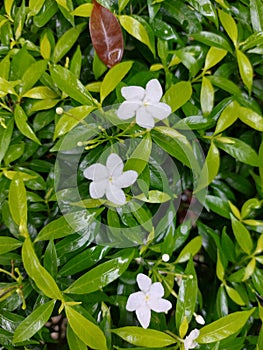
(192, 220)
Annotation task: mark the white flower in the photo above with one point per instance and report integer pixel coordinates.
(110, 179)
(144, 104)
(165, 257)
(199, 319)
(149, 298)
(189, 342)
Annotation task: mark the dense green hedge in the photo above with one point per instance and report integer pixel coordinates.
(189, 216)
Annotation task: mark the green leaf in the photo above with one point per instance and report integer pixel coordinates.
(229, 25)
(50, 259)
(17, 201)
(238, 149)
(66, 41)
(210, 168)
(224, 327)
(245, 69)
(70, 119)
(88, 332)
(45, 46)
(43, 280)
(191, 249)
(207, 96)
(83, 10)
(74, 342)
(256, 15)
(150, 338)
(7, 244)
(242, 235)
(7, 87)
(46, 13)
(5, 137)
(41, 93)
(154, 196)
(228, 117)
(23, 126)
(34, 322)
(122, 4)
(218, 205)
(212, 39)
(140, 156)
(102, 274)
(187, 295)
(35, 7)
(206, 8)
(214, 56)
(251, 118)
(66, 225)
(113, 77)
(76, 62)
(68, 83)
(220, 271)
(178, 94)
(135, 28)
(14, 151)
(32, 75)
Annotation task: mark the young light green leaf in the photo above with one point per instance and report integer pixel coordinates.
(83, 10)
(224, 327)
(5, 137)
(68, 83)
(149, 338)
(88, 332)
(41, 93)
(74, 342)
(154, 196)
(214, 56)
(242, 235)
(207, 96)
(191, 249)
(66, 41)
(35, 7)
(251, 118)
(102, 274)
(23, 126)
(178, 94)
(7, 87)
(229, 25)
(34, 322)
(7, 244)
(228, 117)
(43, 280)
(122, 4)
(32, 75)
(45, 47)
(245, 69)
(220, 271)
(113, 77)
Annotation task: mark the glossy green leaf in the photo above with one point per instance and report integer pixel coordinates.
(74, 342)
(34, 322)
(242, 235)
(102, 274)
(186, 300)
(191, 249)
(207, 96)
(50, 259)
(66, 41)
(225, 84)
(76, 62)
(224, 327)
(178, 94)
(14, 151)
(45, 46)
(66, 225)
(150, 338)
(245, 69)
(140, 156)
(5, 137)
(88, 332)
(32, 75)
(83, 10)
(113, 77)
(221, 302)
(251, 118)
(46, 13)
(154, 196)
(220, 271)
(238, 149)
(7, 244)
(229, 25)
(122, 4)
(43, 280)
(135, 28)
(214, 56)
(7, 87)
(228, 117)
(218, 205)
(41, 92)
(256, 15)
(206, 8)
(35, 7)
(234, 295)
(68, 83)
(22, 124)
(212, 39)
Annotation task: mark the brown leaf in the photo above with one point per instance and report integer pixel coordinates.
(106, 35)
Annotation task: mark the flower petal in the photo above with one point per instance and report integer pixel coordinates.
(189, 342)
(96, 172)
(157, 289)
(159, 305)
(144, 282)
(97, 189)
(144, 316)
(133, 93)
(135, 301)
(144, 119)
(126, 179)
(159, 111)
(194, 334)
(115, 195)
(154, 91)
(114, 165)
(128, 110)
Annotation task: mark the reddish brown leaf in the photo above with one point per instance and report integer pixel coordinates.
(106, 35)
